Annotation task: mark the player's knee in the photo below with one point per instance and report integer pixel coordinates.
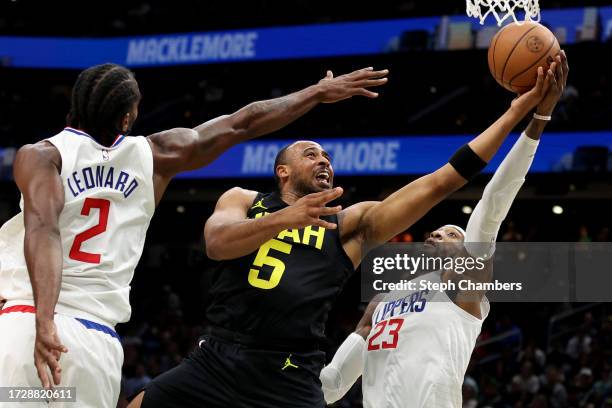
(137, 401)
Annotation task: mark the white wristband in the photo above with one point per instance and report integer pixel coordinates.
(540, 117)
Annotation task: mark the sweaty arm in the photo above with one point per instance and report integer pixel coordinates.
(36, 172)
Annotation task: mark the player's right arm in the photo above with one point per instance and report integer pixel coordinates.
(36, 171)
(180, 149)
(230, 234)
(374, 223)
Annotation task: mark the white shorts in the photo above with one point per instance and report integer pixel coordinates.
(92, 364)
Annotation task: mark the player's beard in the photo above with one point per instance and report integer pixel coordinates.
(304, 186)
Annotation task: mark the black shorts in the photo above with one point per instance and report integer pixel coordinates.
(223, 374)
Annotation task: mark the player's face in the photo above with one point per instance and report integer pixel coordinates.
(310, 168)
(445, 241)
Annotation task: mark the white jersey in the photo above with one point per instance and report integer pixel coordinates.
(419, 349)
(109, 202)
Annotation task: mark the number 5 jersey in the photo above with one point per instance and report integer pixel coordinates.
(281, 293)
(109, 202)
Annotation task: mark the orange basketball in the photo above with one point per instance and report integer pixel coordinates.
(517, 51)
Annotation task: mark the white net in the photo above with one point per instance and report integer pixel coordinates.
(503, 10)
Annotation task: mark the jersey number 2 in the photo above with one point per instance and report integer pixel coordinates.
(393, 332)
(75, 250)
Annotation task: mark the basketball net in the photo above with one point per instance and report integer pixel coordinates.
(503, 10)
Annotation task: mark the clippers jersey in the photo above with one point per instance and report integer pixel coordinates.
(109, 202)
(419, 349)
(282, 292)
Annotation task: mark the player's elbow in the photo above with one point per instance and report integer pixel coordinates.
(214, 249)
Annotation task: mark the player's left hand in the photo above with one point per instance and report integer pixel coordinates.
(558, 80)
(335, 89)
(47, 352)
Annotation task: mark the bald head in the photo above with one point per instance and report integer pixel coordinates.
(304, 167)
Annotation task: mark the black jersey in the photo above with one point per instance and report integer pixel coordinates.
(283, 291)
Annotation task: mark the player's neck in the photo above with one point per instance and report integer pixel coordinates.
(290, 196)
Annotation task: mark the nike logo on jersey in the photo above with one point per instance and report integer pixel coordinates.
(101, 177)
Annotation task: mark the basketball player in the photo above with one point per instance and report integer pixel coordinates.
(419, 349)
(284, 258)
(89, 192)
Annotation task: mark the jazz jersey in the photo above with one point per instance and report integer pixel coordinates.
(281, 293)
(109, 202)
(419, 349)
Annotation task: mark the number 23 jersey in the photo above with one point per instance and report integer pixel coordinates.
(285, 289)
(418, 349)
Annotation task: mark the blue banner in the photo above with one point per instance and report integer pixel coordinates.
(341, 39)
(399, 155)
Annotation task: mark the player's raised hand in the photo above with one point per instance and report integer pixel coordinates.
(47, 352)
(307, 210)
(529, 100)
(558, 82)
(356, 83)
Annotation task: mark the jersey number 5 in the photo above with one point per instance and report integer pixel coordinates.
(263, 258)
(394, 327)
(75, 250)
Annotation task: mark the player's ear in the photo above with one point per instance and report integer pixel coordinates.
(282, 171)
(125, 122)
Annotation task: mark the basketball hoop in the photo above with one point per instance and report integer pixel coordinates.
(503, 9)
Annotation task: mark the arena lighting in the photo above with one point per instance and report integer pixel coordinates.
(466, 209)
(180, 209)
(557, 209)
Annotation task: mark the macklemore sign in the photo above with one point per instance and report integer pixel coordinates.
(394, 155)
(306, 41)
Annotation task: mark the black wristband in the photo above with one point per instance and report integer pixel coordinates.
(467, 163)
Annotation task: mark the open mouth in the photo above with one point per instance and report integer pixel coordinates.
(323, 178)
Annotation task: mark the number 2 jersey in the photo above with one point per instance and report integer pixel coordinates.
(109, 202)
(281, 293)
(419, 349)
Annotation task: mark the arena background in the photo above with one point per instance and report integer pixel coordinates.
(439, 90)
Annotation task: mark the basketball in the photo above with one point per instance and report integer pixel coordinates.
(517, 51)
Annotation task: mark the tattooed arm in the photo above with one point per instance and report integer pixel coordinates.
(181, 149)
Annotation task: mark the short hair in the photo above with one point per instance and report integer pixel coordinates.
(101, 96)
(281, 158)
